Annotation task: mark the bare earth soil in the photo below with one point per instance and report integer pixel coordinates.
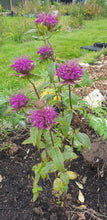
(16, 175)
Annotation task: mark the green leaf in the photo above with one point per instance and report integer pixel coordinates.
(51, 71)
(72, 175)
(27, 141)
(84, 139)
(31, 31)
(35, 196)
(47, 169)
(43, 156)
(58, 159)
(57, 184)
(15, 121)
(86, 80)
(68, 153)
(64, 177)
(35, 191)
(33, 133)
(99, 125)
(49, 150)
(2, 100)
(66, 123)
(22, 123)
(38, 138)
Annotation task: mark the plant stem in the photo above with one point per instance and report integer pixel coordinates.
(51, 137)
(70, 96)
(34, 87)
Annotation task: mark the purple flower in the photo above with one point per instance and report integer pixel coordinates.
(18, 101)
(44, 118)
(22, 65)
(48, 20)
(45, 52)
(69, 72)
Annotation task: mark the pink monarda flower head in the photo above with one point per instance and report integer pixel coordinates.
(47, 19)
(69, 72)
(22, 65)
(18, 101)
(44, 118)
(46, 52)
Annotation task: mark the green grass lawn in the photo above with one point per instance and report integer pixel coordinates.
(66, 46)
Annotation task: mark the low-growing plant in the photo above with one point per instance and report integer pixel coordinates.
(90, 10)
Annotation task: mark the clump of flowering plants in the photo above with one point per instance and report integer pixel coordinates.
(51, 114)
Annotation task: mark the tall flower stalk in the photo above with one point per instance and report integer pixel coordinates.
(44, 119)
(69, 72)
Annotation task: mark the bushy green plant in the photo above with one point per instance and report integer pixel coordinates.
(90, 10)
(99, 2)
(76, 22)
(76, 10)
(29, 7)
(98, 121)
(21, 26)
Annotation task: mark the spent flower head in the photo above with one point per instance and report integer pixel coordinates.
(18, 101)
(47, 19)
(44, 118)
(46, 52)
(69, 72)
(22, 65)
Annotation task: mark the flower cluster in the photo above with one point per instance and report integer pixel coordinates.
(69, 72)
(18, 101)
(43, 118)
(45, 52)
(47, 19)
(23, 65)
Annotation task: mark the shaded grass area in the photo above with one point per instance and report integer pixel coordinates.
(66, 45)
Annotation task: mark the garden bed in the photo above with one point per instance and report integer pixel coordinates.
(16, 176)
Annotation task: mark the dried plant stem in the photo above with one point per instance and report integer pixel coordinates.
(34, 88)
(70, 96)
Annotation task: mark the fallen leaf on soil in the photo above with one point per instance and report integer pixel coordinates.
(1, 178)
(84, 179)
(82, 207)
(38, 211)
(81, 197)
(79, 185)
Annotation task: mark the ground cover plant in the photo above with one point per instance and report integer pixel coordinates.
(51, 114)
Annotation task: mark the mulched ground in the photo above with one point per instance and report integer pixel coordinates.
(16, 179)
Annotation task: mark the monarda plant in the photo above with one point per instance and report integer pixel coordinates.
(51, 118)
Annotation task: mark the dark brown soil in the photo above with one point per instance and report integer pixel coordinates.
(16, 182)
